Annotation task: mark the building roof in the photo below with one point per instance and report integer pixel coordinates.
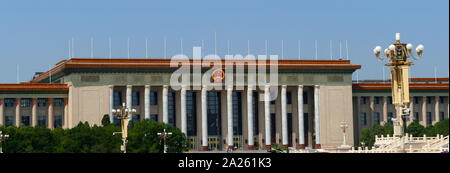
(119, 64)
(33, 87)
(415, 84)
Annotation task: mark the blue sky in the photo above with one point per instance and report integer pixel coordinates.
(35, 34)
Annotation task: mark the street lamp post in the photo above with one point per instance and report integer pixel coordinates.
(398, 54)
(344, 127)
(3, 138)
(124, 115)
(164, 135)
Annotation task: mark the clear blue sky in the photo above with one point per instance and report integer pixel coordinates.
(35, 34)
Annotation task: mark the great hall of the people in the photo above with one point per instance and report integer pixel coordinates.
(314, 97)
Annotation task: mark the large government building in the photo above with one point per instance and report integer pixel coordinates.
(313, 98)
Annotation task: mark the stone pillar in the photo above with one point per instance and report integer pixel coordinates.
(436, 109)
(129, 97)
(147, 102)
(424, 111)
(251, 142)
(317, 116)
(2, 114)
(204, 146)
(66, 113)
(385, 116)
(165, 104)
(34, 112)
(230, 117)
(267, 116)
(50, 113)
(183, 110)
(284, 121)
(301, 120)
(18, 112)
(111, 103)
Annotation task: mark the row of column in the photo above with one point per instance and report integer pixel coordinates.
(50, 114)
(229, 90)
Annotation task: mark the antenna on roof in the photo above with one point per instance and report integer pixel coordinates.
(128, 47)
(357, 76)
(346, 47)
(110, 50)
(331, 49)
(70, 51)
(299, 55)
(92, 47)
(181, 45)
(17, 74)
(165, 48)
(50, 74)
(248, 47)
(73, 48)
(316, 48)
(267, 45)
(282, 49)
(340, 50)
(435, 74)
(146, 47)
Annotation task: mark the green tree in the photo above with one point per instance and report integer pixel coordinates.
(105, 120)
(415, 129)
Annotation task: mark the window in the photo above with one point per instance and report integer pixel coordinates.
(273, 102)
(389, 99)
(429, 118)
(25, 102)
(191, 113)
(135, 117)
(305, 98)
(171, 108)
(441, 100)
(362, 100)
(416, 116)
(58, 121)
(42, 102)
(117, 98)
(416, 100)
(25, 120)
(154, 117)
(441, 116)
(377, 118)
(9, 120)
(135, 98)
(288, 98)
(255, 113)
(390, 116)
(363, 117)
(273, 127)
(9, 102)
(377, 100)
(428, 100)
(153, 98)
(116, 120)
(58, 102)
(42, 120)
(213, 113)
(237, 113)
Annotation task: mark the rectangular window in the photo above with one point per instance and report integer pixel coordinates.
(288, 98)
(441, 100)
(389, 99)
(255, 113)
(25, 102)
(58, 102)
(441, 116)
(58, 121)
(305, 98)
(416, 116)
(117, 98)
(153, 98)
(237, 113)
(416, 100)
(213, 111)
(9, 120)
(377, 100)
(135, 98)
(25, 120)
(154, 117)
(116, 120)
(390, 116)
(363, 117)
(9, 102)
(136, 117)
(377, 118)
(172, 108)
(42, 102)
(42, 121)
(191, 113)
(428, 100)
(429, 118)
(362, 100)
(273, 127)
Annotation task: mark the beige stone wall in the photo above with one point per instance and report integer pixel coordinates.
(88, 103)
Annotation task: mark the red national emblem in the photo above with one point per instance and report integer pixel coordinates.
(218, 76)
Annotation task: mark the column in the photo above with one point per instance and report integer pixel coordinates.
(411, 110)
(66, 113)
(165, 104)
(147, 102)
(183, 110)
(267, 116)
(204, 146)
(50, 113)
(34, 112)
(251, 142)
(111, 103)
(317, 116)
(301, 120)
(436, 109)
(129, 93)
(385, 117)
(2, 114)
(424, 111)
(17, 112)
(371, 110)
(284, 122)
(230, 117)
